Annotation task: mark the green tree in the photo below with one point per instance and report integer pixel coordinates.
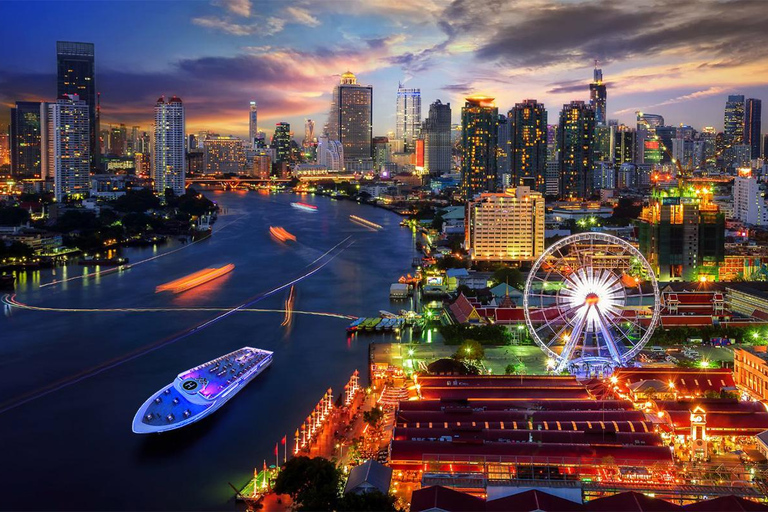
(373, 417)
(511, 276)
(469, 350)
(137, 201)
(312, 484)
(13, 216)
(371, 501)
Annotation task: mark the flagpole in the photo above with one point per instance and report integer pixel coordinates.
(285, 453)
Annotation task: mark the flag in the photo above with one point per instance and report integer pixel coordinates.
(275, 449)
(265, 465)
(284, 440)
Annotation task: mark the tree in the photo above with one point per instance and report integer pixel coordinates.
(13, 216)
(469, 350)
(449, 261)
(373, 417)
(511, 276)
(371, 501)
(312, 484)
(137, 201)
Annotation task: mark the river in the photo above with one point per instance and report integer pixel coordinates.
(73, 449)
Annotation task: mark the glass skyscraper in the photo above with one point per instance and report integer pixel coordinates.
(753, 111)
(576, 135)
(598, 96)
(408, 115)
(436, 132)
(25, 143)
(281, 142)
(351, 122)
(67, 146)
(479, 138)
(75, 65)
(168, 146)
(528, 141)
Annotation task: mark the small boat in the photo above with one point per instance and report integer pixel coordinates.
(355, 324)
(103, 261)
(374, 322)
(386, 314)
(281, 234)
(195, 279)
(304, 206)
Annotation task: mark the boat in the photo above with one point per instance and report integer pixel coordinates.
(281, 234)
(373, 323)
(386, 314)
(103, 261)
(365, 222)
(304, 206)
(195, 279)
(199, 391)
(355, 324)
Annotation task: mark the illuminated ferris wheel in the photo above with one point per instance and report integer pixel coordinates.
(591, 303)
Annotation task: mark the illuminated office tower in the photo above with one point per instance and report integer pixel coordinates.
(75, 64)
(479, 133)
(436, 131)
(503, 135)
(752, 126)
(252, 125)
(576, 135)
(624, 145)
(749, 199)
(5, 148)
(223, 154)
(66, 144)
(25, 140)
(733, 127)
(408, 117)
(351, 122)
(528, 145)
(598, 96)
(281, 142)
(168, 146)
(648, 144)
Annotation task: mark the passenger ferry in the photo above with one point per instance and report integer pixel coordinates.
(199, 391)
(304, 206)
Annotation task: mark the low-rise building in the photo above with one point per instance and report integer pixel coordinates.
(750, 370)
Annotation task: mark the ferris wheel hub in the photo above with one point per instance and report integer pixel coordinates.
(592, 298)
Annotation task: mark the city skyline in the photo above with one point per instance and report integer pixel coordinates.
(281, 57)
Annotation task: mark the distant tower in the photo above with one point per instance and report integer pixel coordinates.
(753, 125)
(67, 143)
(309, 132)
(75, 63)
(168, 146)
(528, 145)
(598, 96)
(733, 127)
(25, 135)
(252, 125)
(351, 122)
(479, 139)
(408, 120)
(281, 142)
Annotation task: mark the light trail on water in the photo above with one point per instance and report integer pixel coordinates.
(330, 255)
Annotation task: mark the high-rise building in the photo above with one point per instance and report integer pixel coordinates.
(76, 74)
(479, 132)
(168, 168)
(624, 145)
(598, 96)
(25, 135)
(281, 142)
(253, 128)
(436, 131)
(648, 145)
(749, 200)
(753, 112)
(503, 142)
(66, 144)
(576, 134)
(223, 154)
(682, 235)
(381, 155)
(118, 140)
(506, 226)
(351, 121)
(5, 147)
(408, 116)
(309, 133)
(733, 127)
(528, 145)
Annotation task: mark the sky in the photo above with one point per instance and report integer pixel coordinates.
(679, 59)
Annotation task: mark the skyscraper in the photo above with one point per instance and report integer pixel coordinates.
(351, 121)
(252, 125)
(752, 125)
(733, 127)
(503, 136)
(576, 134)
(281, 142)
(168, 146)
(479, 124)
(528, 152)
(26, 140)
(309, 132)
(67, 146)
(598, 96)
(436, 131)
(408, 120)
(75, 64)
(223, 154)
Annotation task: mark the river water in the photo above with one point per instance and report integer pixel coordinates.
(73, 448)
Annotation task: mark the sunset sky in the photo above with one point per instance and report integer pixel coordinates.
(679, 59)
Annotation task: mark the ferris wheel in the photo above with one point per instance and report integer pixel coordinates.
(591, 302)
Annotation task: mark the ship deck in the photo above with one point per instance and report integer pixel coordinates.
(221, 373)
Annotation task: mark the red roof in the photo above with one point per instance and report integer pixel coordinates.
(729, 503)
(725, 423)
(509, 315)
(631, 502)
(438, 497)
(687, 381)
(507, 381)
(461, 309)
(512, 405)
(480, 434)
(532, 500)
(670, 320)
